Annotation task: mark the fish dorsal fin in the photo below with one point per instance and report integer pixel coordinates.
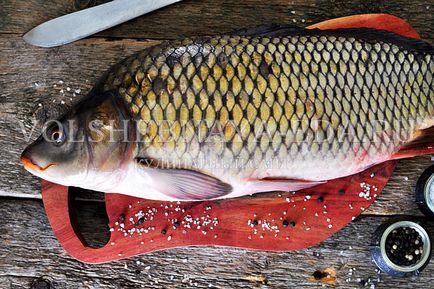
(423, 144)
(375, 21)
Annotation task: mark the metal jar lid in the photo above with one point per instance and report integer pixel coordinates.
(425, 192)
(378, 249)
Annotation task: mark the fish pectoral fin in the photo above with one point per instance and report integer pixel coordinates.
(190, 185)
(276, 185)
(187, 185)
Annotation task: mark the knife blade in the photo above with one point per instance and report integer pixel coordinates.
(80, 24)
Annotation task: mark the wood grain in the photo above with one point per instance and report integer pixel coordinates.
(192, 17)
(23, 262)
(29, 251)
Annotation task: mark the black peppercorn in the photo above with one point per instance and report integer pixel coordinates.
(318, 275)
(121, 217)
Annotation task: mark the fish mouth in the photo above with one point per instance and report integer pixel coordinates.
(30, 165)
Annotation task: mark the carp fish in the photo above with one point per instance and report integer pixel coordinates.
(275, 108)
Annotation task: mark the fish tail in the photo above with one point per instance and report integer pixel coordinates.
(423, 144)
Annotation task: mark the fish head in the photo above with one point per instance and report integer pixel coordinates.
(86, 147)
(54, 154)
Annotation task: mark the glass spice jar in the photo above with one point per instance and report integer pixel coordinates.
(401, 247)
(425, 192)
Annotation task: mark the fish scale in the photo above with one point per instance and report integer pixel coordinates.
(278, 106)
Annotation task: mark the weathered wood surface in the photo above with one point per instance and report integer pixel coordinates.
(193, 17)
(31, 76)
(23, 261)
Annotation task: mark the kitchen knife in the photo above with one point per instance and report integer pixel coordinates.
(80, 24)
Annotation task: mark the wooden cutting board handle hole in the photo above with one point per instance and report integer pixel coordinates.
(89, 217)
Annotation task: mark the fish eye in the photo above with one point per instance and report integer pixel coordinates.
(58, 136)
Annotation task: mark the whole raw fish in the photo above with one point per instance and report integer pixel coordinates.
(265, 109)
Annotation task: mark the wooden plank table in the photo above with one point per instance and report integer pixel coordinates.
(37, 84)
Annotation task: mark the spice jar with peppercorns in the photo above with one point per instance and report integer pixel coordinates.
(401, 247)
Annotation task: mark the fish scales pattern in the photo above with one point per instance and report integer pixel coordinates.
(255, 99)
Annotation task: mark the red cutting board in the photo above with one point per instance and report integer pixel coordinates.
(268, 221)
